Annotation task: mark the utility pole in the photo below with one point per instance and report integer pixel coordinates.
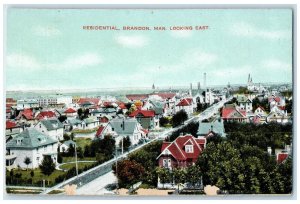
(117, 170)
(44, 185)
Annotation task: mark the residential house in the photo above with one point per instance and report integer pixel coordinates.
(276, 101)
(64, 147)
(185, 104)
(99, 113)
(209, 129)
(277, 115)
(231, 112)
(137, 97)
(45, 114)
(87, 102)
(26, 117)
(12, 129)
(90, 123)
(244, 103)
(32, 144)
(73, 124)
(70, 113)
(122, 127)
(146, 118)
(181, 153)
(51, 127)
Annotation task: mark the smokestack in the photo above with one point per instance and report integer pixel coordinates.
(199, 87)
(204, 81)
(191, 88)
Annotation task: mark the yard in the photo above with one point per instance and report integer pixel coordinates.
(82, 142)
(81, 165)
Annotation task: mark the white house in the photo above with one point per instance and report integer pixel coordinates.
(64, 147)
(245, 103)
(32, 144)
(27, 103)
(123, 127)
(51, 127)
(185, 104)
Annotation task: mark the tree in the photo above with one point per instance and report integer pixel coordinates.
(86, 113)
(126, 143)
(86, 152)
(79, 152)
(193, 175)
(27, 161)
(163, 121)
(179, 118)
(179, 176)
(71, 150)
(164, 175)
(47, 166)
(32, 175)
(59, 158)
(62, 118)
(79, 112)
(66, 137)
(128, 172)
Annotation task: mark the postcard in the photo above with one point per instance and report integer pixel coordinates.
(149, 102)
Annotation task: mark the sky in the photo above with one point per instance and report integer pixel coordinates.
(49, 49)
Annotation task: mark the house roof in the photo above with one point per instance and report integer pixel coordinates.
(215, 126)
(52, 124)
(10, 124)
(70, 110)
(46, 114)
(30, 139)
(165, 95)
(158, 107)
(242, 99)
(233, 112)
(134, 97)
(185, 102)
(90, 120)
(27, 113)
(177, 147)
(274, 98)
(94, 101)
(99, 131)
(122, 105)
(124, 126)
(68, 142)
(144, 113)
(260, 108)
(281, 157)
(74, 121)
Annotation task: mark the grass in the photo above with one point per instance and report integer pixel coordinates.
(56, 192)
(22, 191)
(82, 142)
(72, 159)
(80, 165)
(39, 176)
(85, 131)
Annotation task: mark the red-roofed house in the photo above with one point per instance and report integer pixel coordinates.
(281, 157)
(182, 152)
(233, 113)
(276, 101)
(99, 131)
(70, 113)
(26, 117)
(137, 97)
(12, 129)
(89, 102)
(146, 118)
(185, 104)
(45, 114)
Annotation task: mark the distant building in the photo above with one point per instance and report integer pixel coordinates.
(27, 104)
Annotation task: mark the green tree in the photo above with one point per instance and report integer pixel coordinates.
(79, 112)
(59, 158)
(179, 118)
(194, 175)
(86, 152)
(27, 161)
(180, 176)
(126, 143)
(164, 175)
(47, 166)
(32, 175)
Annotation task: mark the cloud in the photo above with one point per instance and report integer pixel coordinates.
(134, 41)
(18, 60)
(181, 33)
(46, 31)
(276, 65)
(22, 61)
(247, 30)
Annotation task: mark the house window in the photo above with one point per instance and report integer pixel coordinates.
(167, 163)
(40, 125)
(189, 149)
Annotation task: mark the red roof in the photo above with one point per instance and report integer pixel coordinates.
(136, 97)
(91, 100)
(277, 99)
(281, 157)
(27, 113)
(46, 114)
(122, 105)
(177, 147)
(185, 102)
(99, 131)
(165, 95)
(281, 107)
(145, 131)
(145, 113)
(10, 124)
(227, 112)
(70, 110)
(106, 103)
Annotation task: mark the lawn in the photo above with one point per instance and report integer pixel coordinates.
(81, 165)
(82, 142)
(39, 176)
(72, 159)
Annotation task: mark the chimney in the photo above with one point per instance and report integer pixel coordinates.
(199, 87)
